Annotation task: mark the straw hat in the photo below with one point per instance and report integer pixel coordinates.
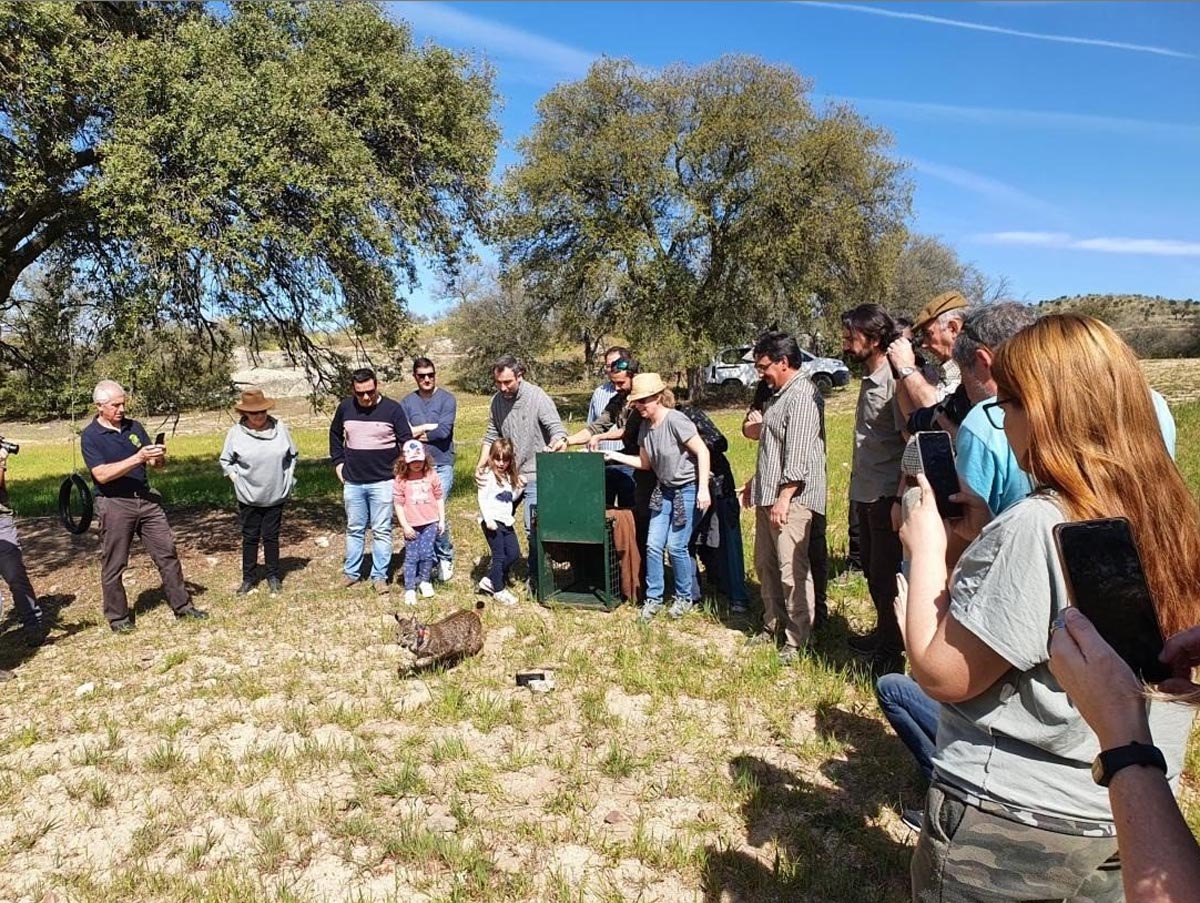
(645, 385)
(254, 401)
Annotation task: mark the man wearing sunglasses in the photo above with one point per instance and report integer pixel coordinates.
(364, 442)
(608, 418)
(431, 411)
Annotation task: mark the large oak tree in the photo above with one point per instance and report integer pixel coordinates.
(700, 203)
(281, 168)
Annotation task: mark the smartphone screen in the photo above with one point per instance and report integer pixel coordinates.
(160, 439)
(937, 463)
(1106, 582)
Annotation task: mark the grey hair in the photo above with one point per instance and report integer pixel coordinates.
(105, 390)
(509, 362)
(943, 319)
(990, 326)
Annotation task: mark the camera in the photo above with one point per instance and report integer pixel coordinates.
(11, 447)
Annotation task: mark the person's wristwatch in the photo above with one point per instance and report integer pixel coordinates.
(906, 372)
(1110, 761)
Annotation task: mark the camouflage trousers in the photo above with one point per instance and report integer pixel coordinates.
(966, 854)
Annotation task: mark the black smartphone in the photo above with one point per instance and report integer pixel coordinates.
(937, 463)
(160, 439)
(1106, 582)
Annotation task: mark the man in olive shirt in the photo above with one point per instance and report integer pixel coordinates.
(867, 330)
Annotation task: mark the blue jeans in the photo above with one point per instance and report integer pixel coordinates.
(443, 549)
(663, 535)
(419, 555)
(368, 504)
(912, 715)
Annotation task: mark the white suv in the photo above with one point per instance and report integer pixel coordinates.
(735, 367)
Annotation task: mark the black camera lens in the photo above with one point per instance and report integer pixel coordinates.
(11, 447)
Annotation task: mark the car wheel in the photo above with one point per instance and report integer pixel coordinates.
(726, 383)
(824, 382)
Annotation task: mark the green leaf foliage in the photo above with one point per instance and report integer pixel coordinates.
(281, 168)
(700, 204)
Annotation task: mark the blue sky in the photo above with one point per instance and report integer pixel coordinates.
(1054, 143)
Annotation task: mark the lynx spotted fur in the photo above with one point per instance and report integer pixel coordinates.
(454, 637)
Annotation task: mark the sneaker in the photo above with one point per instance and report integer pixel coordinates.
(650, 608)
(410, 597)
(274, 586)
(446, 570)
(789, 655)
(505, 597)
(122, 625)
(738, 608)
(246, 587)
(913, 818)
(348, 581)
(381, 586)
(35, 634)
(426, 589)
(191, 613)
(762, 638)
(485, 586)
(680, 607)
(866, 644)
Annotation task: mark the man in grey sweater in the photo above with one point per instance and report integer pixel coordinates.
(524, 414)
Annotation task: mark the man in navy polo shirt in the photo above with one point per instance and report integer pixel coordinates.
(116, 451)
(431, 411)
(364, 442)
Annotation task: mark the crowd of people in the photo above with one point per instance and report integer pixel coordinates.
(1040, 748)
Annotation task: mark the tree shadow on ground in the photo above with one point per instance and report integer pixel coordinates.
(817, 838)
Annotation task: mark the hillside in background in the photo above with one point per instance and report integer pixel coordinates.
(1155, 327)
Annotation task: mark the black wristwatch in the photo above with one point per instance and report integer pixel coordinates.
(1109, 762)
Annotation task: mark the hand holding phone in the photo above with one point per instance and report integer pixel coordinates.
(1106, 582)
(937, 463)
(160, 439)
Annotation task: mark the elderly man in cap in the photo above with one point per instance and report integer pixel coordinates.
(260, 458)
(937, 326)
(117, 451)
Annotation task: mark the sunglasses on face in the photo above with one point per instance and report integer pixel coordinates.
(430, 375)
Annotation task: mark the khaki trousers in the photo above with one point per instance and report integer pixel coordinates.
(785, 574)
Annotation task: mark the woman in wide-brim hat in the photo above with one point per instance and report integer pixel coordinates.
(670, 447)
(260, 458)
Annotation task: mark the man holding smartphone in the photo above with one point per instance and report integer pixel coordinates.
(117, 451)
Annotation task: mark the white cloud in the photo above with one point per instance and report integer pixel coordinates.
(449, 24)
(996, 29)
(1039, 119)
(1157, 247)
(987, 187)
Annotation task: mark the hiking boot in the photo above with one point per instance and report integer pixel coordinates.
(122, 625)
(446, 570)
(485, 586)
(274, 586)
(410, 597)
(762, 638)
(738, 608)
(381, 586)
(191, 613)
(913, 818)
(680, 607)
(426, 589)
(35, 634)
(246, 587)
(864, 644)
(348, 581)
(790, 654)
(505, 597)
(650, 608)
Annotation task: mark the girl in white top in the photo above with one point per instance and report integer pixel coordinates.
(498, 495)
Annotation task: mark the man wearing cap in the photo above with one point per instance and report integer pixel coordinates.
(259, 457)
(606, 425)
(364, 442)
(431, 412)
(117, 451)
(937, 325)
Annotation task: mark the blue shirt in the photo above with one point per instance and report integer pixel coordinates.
(600, 399)
(987, 466)
(102, 445)
(440, 408)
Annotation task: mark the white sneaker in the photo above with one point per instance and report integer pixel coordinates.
(485, 586)
(505, 597)
(445, 570)
(410, 597)
(426, 589)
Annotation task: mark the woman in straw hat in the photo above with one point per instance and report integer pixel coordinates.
(260, 458)
(671, 447)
